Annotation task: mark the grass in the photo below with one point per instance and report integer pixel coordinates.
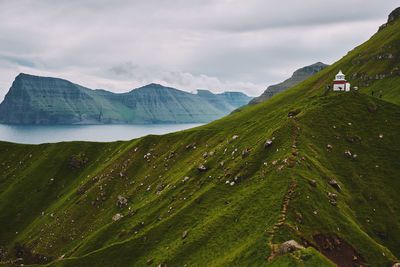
(69, 219)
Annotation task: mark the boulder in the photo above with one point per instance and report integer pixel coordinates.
(184, 234)
(288, 247)
(334, 184)
(267, 143)
(122, 201)
(245, 153)
(333, 196)
(202, 168)
(185, 179)
(235, 137)
(293, 113)
(329, 147)
(313, 183)
(190, 146)
(117, 216)
(396, 264)
(171, 154)
(347, 154)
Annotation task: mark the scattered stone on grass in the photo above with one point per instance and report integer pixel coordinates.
(289, 246)
(117, 216)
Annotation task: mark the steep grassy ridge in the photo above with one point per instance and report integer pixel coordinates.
(329, 180)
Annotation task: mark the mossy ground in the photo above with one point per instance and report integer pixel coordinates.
(65, 212)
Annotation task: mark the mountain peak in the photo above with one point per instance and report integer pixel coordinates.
(297, 77)
(393, 16)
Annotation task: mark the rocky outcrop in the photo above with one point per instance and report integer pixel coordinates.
(393, 16)
(297, 77)
(288, 246)
(44, 100)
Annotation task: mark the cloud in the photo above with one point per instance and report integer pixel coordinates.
(212, 44)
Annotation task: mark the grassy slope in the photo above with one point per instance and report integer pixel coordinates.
(226, 225)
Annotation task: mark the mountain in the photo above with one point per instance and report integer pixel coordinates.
(43, 100)
(297, 77)
(306, 178)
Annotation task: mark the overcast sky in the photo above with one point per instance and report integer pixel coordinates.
(237, 45)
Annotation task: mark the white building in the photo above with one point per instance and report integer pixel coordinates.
(340, 84)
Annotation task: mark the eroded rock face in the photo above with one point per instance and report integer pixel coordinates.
(338, 250)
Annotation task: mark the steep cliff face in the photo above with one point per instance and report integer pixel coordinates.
(42, 100)
(297, 77)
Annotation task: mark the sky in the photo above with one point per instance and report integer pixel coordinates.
(219, 45)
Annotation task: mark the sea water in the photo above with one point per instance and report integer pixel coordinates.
(37, 134)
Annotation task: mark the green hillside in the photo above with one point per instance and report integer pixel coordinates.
(315, 167)
(45, 100)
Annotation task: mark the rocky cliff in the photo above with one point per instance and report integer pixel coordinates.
(43, 100)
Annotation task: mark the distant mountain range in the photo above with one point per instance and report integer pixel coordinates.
(297, 77)
(44, 100)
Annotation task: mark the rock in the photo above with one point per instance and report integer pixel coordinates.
(221, 164)
(149, 261)
(347, 154)
(355, 156)
(396, 264)
(294, 112)
(329, 147)
(117, 216)
(313, 183)
(232, 183)
(333, 202)
(122, 201)
(171, 154)
(211, 153)
(289, 246)
(333, 196)
(245, 153)
(184, 234)
(185, 179)
(147, 156)
(353, 139)
(121, 175)
(202, 168)
(148, 188)
(371, 108)
(381, 136)
(335, 185)
(275, 162)
(159, 188)
(192, 145)
(267, 143)
(205, 155)
(235, 137)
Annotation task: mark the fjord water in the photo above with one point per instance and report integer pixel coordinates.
(37, 134)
